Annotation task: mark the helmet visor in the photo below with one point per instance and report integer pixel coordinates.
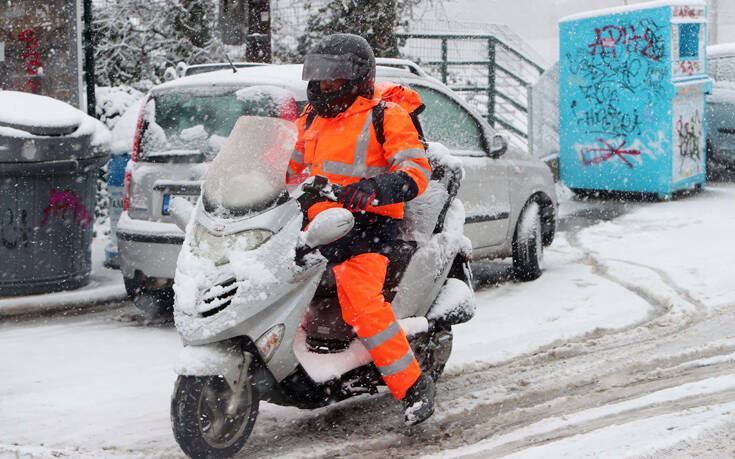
(333, 67)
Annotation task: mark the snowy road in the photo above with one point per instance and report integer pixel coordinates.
(624, 347)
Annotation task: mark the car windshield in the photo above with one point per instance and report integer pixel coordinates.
(249, 172)
(197, 123)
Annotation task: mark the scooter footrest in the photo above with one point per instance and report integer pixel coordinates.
(326, 346)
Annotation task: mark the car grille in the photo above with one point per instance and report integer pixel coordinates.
(221, 297)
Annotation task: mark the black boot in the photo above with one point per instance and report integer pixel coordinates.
(418, 404)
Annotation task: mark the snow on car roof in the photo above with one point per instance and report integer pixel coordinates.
(721, 49)
(631, 8)
(287, 76)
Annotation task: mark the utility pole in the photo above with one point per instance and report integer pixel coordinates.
(89, 77)
(258, 40)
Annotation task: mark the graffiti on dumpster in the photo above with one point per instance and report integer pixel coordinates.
(689, 133)
(617, 62)
(14, 229)
(607, 151)
(691, 12)
(628, 41)
(63, 201)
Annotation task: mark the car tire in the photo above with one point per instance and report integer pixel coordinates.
(528, 247)
(154, 304)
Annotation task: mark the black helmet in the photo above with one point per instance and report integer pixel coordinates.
(339, 56)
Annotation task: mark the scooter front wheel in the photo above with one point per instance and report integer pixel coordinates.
(209, 418)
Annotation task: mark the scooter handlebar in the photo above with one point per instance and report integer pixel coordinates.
(321, 186)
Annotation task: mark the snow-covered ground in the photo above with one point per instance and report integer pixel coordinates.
(624, 347)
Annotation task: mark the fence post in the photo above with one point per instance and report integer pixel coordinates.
(445, 54)
(491, 81)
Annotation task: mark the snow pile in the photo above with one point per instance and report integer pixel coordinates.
(721, 49)
(39, 115)
(194, 133)
(30, 116)
(114, 102)
(123, 133)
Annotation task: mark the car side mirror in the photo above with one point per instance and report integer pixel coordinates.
(328, 226)
(498, 146)
(181, 210)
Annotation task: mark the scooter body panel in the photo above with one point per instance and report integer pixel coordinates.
(262, 298)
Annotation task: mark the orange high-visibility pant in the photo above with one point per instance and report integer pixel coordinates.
(359, 288)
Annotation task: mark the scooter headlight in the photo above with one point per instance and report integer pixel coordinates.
(215, 248)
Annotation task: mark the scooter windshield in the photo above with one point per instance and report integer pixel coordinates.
(249, 172)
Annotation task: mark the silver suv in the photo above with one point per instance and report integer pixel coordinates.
(509, 197)
(720, 121)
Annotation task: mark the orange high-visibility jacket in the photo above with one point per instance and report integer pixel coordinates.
(345, 149)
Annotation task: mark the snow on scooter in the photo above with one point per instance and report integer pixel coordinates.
(256, 304)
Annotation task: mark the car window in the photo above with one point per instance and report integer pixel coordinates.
(447, 122)
(191, 122)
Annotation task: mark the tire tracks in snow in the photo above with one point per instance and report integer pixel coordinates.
(602, 367)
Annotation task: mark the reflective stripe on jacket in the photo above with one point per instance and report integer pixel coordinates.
(345, 149)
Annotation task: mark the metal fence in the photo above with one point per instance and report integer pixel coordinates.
(493, 76)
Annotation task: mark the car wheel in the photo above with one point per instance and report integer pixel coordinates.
(154, 303)
(528, 247)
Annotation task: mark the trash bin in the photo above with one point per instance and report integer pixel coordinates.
(50, 155)
(632, 98)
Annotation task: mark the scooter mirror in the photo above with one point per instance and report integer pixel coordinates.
(328, 226)
(181, 210)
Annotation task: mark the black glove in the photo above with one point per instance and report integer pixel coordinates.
(357, 196)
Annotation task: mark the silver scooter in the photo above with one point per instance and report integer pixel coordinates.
(256, 303)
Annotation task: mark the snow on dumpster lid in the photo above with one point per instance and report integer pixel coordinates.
(631, 8)
(38, 115)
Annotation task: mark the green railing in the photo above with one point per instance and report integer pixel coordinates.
(503, 84)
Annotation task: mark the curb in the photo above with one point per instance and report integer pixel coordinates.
(83, 298)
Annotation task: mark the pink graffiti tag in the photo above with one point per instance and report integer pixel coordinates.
(608, 152)
(63, 201)
(624, 36)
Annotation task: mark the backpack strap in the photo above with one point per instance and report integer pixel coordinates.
(417, 124)
(310, 117)
(378, 118)
(378, 115)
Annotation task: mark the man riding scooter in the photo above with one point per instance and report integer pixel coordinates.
(337, 139)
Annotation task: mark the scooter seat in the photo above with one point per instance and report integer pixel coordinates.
(399, 252)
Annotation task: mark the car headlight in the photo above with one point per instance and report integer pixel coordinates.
(215, 247)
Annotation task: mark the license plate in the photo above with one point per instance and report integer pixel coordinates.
(166, 207)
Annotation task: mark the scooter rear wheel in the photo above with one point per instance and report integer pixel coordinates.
(209, 419)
